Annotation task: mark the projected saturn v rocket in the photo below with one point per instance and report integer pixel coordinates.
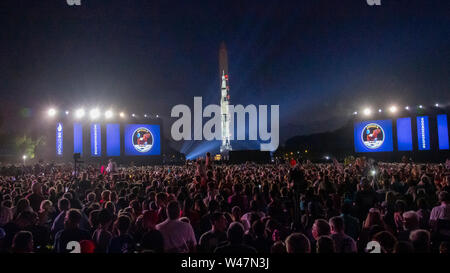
(224, 100)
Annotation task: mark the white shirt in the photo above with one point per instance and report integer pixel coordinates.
(440, 212)
(177, 236)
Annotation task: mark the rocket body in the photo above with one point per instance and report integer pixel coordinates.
(224, 100)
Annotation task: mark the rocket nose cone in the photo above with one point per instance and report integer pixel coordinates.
(223, 46)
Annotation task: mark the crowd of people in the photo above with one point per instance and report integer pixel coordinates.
(357, 207)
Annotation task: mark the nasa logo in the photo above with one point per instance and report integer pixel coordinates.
(142, 140)
(372, 136)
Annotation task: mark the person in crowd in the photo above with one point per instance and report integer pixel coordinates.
(352, 224)
(58, 223)
(22, 242)
(343, 242)
(442, 211)
(298, 243)
(411, 222)
(102, 236)
(70, 233)
(386, 240)
(35, 197)
(178, 236)
(210, 240)
(123, 242)
(420, 239)
(325, 244)
(235, 244)
(319, 228)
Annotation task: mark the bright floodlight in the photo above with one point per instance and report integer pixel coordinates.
(393, 109)
(157, 116)
(79, 113)
(407, 107)
(420, 106)
(437, 105)
(94, 113)
(24, 157)
(133, 115)
(367, 111)
(67, 112)
(122, 114)
(327, 157)
(145, 115)
(108, 114)
(373, 172)
(51, 112)
(355, 113)
(379, 110)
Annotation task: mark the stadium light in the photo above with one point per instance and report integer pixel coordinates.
(327, 157)
(67, 113)
(420, 106)
(133, 115)
(367, 111)
(157, 116)
(24, 157)
(355, 113)
(379, 110)
(393, 109)
(79, 113)
(122, 114)
(145, 115)
(109, 114)
(51, 112)
(437, 105)
(94, 113)
(407, 107)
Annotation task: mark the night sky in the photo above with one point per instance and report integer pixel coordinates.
(319, 60)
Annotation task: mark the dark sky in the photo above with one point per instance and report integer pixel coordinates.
(319, 60)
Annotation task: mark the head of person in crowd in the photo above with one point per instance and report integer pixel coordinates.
(320, 228)
(386, 240)
(373, 218)
(325, 244)
(36, 188)
(72, 219)
(63, 204)
(337, 225)
(235, 233)
(297, 243)
(218, 222)
(410, 220)
(420, 239)
(279, 247)
(444, 198)
(122, 224)
(22, 242)
(173, 210)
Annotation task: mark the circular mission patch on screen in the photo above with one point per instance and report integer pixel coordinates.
(142, 140)
(372, 136)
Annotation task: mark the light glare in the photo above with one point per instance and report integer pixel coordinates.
(51, 112)
(79, 113)
(367, 111)
(108, 114)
